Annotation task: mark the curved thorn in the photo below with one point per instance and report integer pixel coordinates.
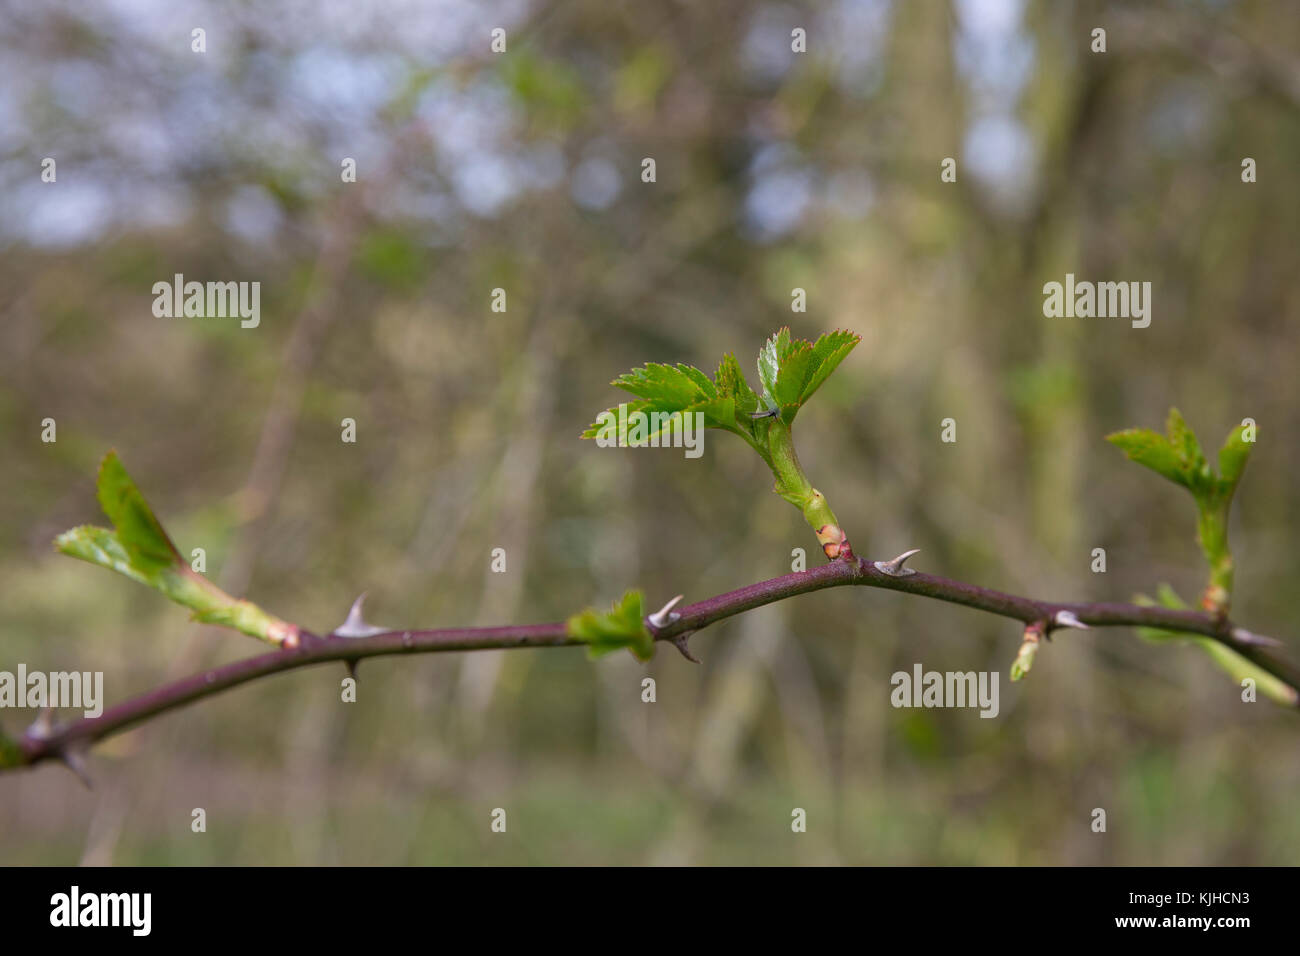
(356, 615)
(1068, 619)
(665, 616)
(355, 625)
(895, 567)
(72, 760)
(679, 642)
(43, 725)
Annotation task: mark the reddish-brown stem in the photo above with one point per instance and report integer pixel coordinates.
(62, 741)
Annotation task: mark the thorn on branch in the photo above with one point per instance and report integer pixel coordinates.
(895, 567)
(74, 762)
(1068, 619)
(1243, 636)
(355, 625)
(679, 642)
(665, 615)
(42, 726)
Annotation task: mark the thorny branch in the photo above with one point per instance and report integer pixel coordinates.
(66, 742)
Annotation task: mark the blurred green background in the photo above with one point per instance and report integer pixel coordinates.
(775, 170)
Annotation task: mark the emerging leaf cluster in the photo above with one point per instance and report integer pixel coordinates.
(621, 626)
(1177, 455)
(790, 371)
(138, 547)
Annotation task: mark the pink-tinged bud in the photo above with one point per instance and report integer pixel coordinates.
(833, 540)
(283, 633)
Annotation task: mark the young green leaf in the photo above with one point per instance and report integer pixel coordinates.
(664, 391)
(770, 357)
(632, 423)
(103, 547)
(138, 547)
(1183, 440)
(790, 379)
(793, 369)
(702, 381)
(1151, 449)
(138, 530)
(790, 370)
(1232, 460)
(1177, 457)
(730, 382)
(666, 388)
(622, 626)
(828, 352)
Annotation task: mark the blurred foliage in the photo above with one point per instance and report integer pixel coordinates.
(522, 171)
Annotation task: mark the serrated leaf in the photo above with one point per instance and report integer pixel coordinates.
(138, 547)
(1195, 467)
(828, 352)
(795, 367)
(1151, 449)
(615, 428)
(731, 384)
(667, 388)
(1232, 460)
(718, 412)
(1182, 438)
(704, 383)
(730, 381)
(642, 423)
(790, 370)
(622, 626)
(770, 357)
(1177, 456)
(663, 391)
